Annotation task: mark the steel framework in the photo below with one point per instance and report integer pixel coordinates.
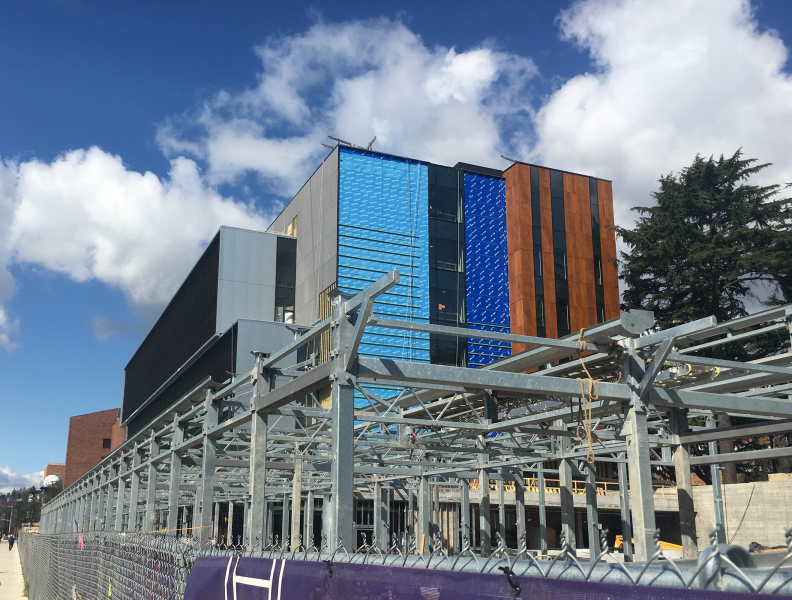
(619, 392)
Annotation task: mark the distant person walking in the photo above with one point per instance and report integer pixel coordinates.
(10, 541)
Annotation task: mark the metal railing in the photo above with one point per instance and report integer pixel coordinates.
(154, 566)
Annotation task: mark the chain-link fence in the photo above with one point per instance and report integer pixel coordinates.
(152, 566)
(102, 565)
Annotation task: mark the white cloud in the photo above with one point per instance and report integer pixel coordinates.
(87, 216)
(671, 80)
(11, 479)
(357, 80)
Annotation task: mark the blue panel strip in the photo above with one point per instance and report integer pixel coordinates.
(383, 225)
(487, 269)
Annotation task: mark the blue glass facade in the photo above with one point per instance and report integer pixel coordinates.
(487, 271)
(383, 225)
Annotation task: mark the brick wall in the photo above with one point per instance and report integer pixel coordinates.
(55, 469)
(86, 442)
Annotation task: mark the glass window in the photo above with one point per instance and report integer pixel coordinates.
(600, 313)
(106, 443)
(562, 314)
(562, 289)
(446, 255)
(443, 203)
(540, 313)
(557, 184)
(537, 256)
(285, 270)
(559, 223)
(598, 270)
(535, 182)
(600, 294)
(444, 350)
(560, 264)
(539, 286)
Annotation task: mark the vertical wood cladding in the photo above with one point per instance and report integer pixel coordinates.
(519, 224)
(610, 274)
(579, 251)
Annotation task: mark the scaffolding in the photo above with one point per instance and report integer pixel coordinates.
(621, 392)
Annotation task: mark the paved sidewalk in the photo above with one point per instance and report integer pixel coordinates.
(11, 583)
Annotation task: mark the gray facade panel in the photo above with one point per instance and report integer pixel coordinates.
(316, 209)
(246, 287)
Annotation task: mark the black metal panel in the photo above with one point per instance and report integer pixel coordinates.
(187, 323)
(216, 362)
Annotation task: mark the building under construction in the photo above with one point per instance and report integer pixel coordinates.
(426, 357)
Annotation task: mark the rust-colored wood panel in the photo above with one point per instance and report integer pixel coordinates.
(610, 274)
(582, 295)
(520, 250)
(580, 252)
(551, 325)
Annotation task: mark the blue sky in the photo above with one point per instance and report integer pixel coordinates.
(130, 131)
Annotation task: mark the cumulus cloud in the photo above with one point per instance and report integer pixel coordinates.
(670, 80)
(357, 80)
(88, 217)
(11, 479)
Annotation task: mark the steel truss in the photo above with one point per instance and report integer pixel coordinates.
(272, 436)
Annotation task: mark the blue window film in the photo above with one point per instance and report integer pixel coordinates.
(487, 274)
(383, 225)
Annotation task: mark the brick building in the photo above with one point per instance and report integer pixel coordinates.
(91, 437)
(55, 469)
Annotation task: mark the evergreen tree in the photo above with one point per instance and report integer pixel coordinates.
(712, 243)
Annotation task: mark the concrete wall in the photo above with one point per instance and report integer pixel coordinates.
(246, 286)
(755, 512)
(316, 209)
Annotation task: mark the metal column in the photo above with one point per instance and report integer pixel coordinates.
(540, 484)
(206, 492)
(567, 501)
(684, 484)
(151, 492)
(502, 506)
(342, 501)
(637, 434)
(592, 513)
(175, 478)
(641, 499)
(134, 489)
(257, 481)
(422, 532)
(308, 536)
(717, 488)
(285, 522)
(464, 514)
(296, 502)
(624, 504)
(230, 529)
(519, 506)
(485, 532)
(381, 514)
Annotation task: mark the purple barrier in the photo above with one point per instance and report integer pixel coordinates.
(243, 578)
